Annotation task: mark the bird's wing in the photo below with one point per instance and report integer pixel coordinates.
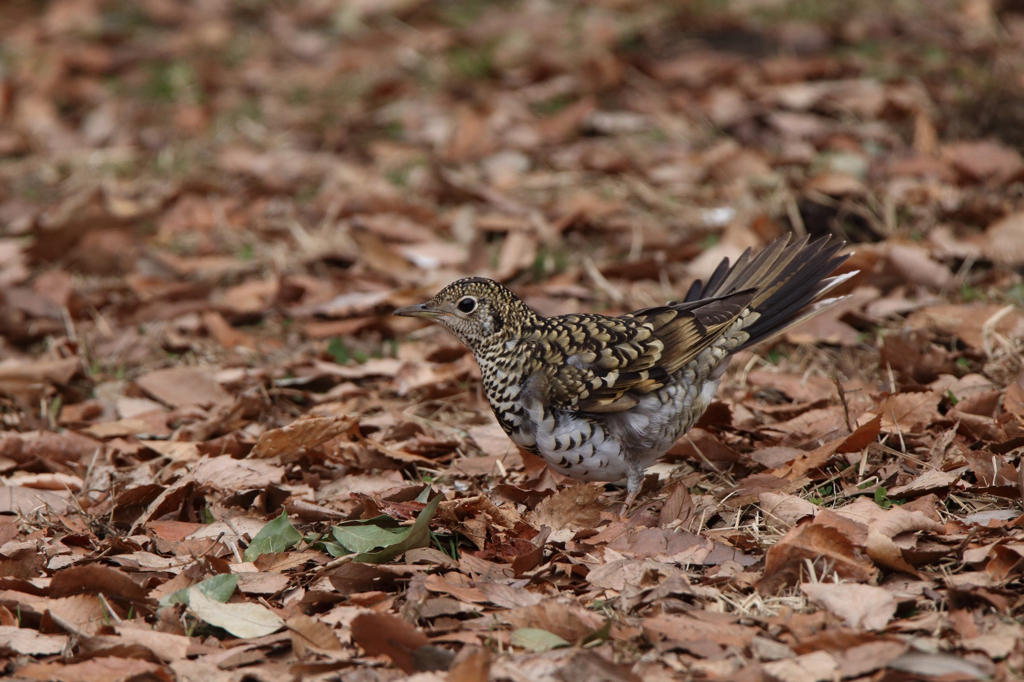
(615, 360)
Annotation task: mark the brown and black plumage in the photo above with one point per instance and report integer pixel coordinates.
(600, 398)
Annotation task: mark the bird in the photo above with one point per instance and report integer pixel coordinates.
(600, 398)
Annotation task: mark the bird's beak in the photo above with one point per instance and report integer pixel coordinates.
(418, 310)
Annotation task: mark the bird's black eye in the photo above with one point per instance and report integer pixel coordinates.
(467, 305)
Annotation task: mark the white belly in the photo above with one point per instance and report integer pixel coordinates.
(572, 445)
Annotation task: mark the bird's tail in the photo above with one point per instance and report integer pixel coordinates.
(789, 281)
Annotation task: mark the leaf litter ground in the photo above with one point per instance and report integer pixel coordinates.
(222, 459)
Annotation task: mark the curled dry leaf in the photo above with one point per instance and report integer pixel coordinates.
(302, 433)
(828, 550)
(890, 522)
(815, 459)
(678, 506)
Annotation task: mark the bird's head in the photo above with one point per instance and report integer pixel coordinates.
(479, 311)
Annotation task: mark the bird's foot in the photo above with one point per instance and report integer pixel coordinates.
(628, 503)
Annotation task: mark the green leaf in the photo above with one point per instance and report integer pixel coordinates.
(332, 548)
(276, 536)
(601, 634)
(882, 497)
(401, 539)
(219, 588)
(368, 538)
(536, 639)
(338, 350)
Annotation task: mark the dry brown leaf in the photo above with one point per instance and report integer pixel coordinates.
(860, 606)
(381, 634)
(913, 265)
(29, 502)
(800, 388)
(83, 615)
(166, 646)
(890, 522)
(786, 508)
(681, 628)
(828, 550)
(302, 433)
(569, 622)
(29, 642)
(94, 579)
(678, 506)
(972, 323)
(982, 160)
(103, 669)
(224, 333)
(819, 666)
(17, 377)
(311, 635)
(180, 386)
(473, 664)
(617, 575)
(509, 597)
(885, 552)
(227, 473)
(571, 508)
(906, 412)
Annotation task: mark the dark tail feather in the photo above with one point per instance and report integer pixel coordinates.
(790, 280)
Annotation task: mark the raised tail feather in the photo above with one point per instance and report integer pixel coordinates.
(789, 281)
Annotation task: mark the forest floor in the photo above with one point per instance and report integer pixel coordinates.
(223, 459)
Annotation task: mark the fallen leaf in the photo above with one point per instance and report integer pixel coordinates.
(409, 537)
(102, 669)
(182, 385)
(860, 606)
(381, 634)
(937, 665)
(309, 634)
(166, 646)
(29, 642)
(302, 433)
(535, 639)
(277, 536)
(245, 620)
(819, 666)
(572, 508)
(827, 549)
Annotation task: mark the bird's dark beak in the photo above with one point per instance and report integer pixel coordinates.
(418, 310)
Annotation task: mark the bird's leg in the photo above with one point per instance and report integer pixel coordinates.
(634, 481)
